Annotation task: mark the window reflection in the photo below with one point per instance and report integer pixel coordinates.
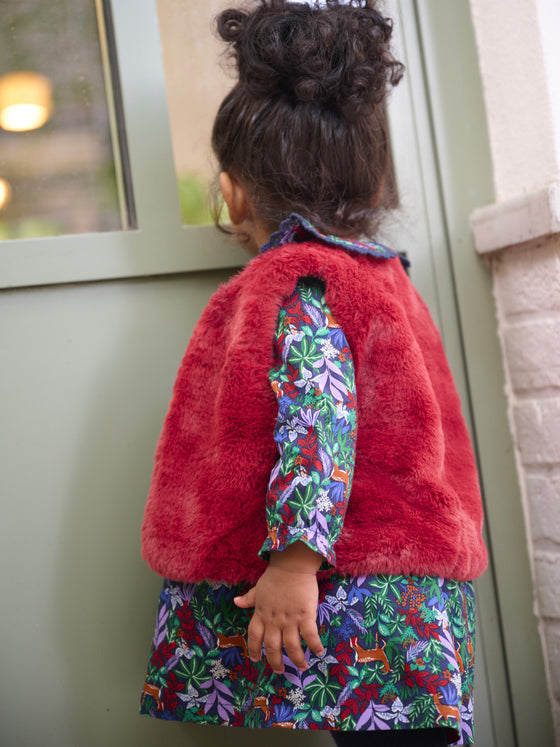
(25, 100)
(58, 161)
(196, 82)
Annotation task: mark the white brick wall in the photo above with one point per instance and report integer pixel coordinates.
(544, 490)
(527, 292)
(524, 344)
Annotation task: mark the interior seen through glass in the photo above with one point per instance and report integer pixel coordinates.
(197, 78)
(57, 164)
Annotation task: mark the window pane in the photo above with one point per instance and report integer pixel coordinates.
(196, 82)
(59, 159)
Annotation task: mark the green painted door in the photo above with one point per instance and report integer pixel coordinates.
(94, 324)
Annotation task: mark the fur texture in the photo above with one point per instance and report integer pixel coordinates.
(415, 506)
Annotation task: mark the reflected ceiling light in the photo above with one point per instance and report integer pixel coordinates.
(25, 100)
(5, 193)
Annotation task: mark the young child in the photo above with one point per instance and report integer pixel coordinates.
(314, 506)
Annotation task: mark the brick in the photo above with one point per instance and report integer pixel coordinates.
(519, 219)
(528, 279)
(537, 430)
(543, 494)
(533, 353)
(552, 653)
(547, 581)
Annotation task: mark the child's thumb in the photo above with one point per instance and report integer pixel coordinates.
(247, 600)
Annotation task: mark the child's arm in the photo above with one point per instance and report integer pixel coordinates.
(314, 382)
(285, 600)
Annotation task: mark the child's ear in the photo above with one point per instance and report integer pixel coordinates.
(235, 197)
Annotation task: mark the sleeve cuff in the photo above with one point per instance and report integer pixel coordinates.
(282, 537)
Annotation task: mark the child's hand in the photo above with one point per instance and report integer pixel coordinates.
(285, 599)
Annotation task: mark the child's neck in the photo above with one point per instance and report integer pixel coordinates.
(258, 235)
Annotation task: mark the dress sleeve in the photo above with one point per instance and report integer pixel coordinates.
(313, 379)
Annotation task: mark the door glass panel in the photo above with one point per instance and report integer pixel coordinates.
(196, 80)
(60, 161)
(198, 75)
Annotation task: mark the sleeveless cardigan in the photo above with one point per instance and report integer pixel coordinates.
(415, 506)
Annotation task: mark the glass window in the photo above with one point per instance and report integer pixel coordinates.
(196, 81)
(198, 76)
(60, 160)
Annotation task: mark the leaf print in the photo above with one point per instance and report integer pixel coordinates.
(301, 479)
(307, 417)
(306, 354)
(160, 632)
(424, 630)
(308, 448)
(194, 672)
(293, 677)
(370, 716)
(315, 314)
(322, 691)
(449, 693)
(413, 652)
(448, 649)
(360, 591)
(343, 652)
(318, 519)
(359, 701)
(307, 292)
(291, 336)
(330, 380)
(162, 653)
(171, 693)
(422, 678)
(326, 459)
(340, 671)
(303, 501)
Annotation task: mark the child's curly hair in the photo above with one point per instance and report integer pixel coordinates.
(304, 127)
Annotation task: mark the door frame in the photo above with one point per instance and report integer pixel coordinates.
(453, 145)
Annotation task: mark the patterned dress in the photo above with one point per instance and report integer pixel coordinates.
(399, 650)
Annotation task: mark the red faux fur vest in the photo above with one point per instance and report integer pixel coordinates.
(415, 505)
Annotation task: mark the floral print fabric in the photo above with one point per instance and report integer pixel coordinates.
(316, 427)
(295, 228)
(399, 651)
(398, 655)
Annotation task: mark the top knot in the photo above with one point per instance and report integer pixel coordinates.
(231, 23)
(323, 53)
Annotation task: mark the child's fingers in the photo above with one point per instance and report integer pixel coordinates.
(247, 600)
(310, 635)
(273, 649)
(294, 650)
(255, 635)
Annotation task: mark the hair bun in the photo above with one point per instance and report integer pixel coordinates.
(231, 23)
(337, 56)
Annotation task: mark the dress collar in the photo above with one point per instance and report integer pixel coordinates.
(295, 229)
